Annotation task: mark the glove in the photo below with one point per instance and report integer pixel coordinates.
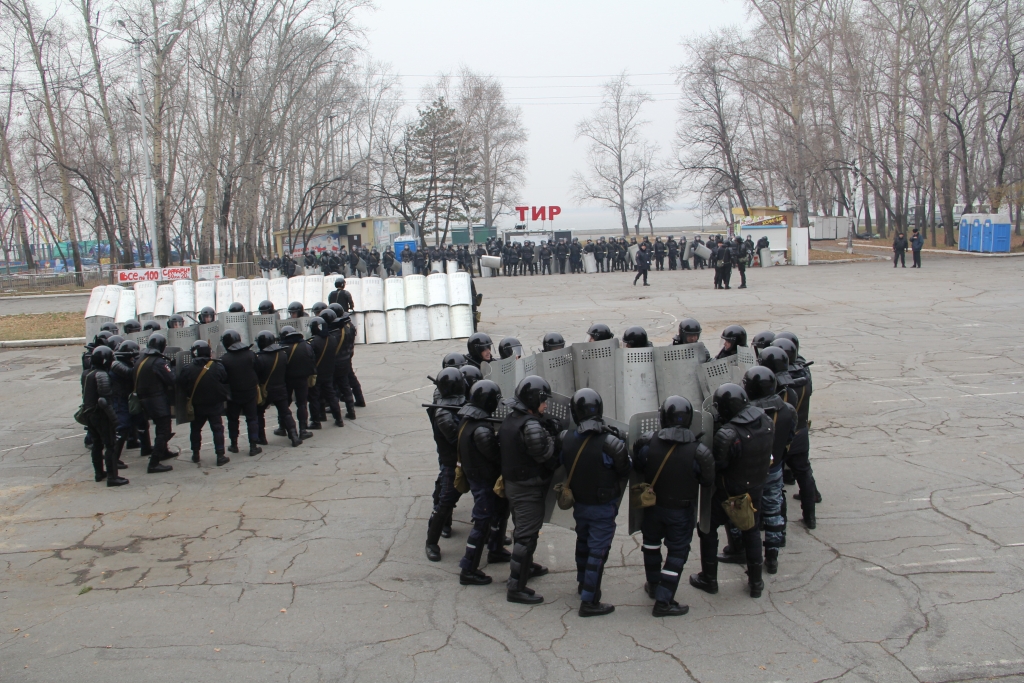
(614, 431)
(552, 426)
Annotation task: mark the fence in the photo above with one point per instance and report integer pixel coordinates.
(30, 282)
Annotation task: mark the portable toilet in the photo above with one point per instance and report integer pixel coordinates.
(976, 235)
(1001, 234)
(965, 233)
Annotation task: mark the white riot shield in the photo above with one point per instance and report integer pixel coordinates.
(277, 293)
(373, 293)
(275, 273)
(676, 368)
(415, 290)
(224, 294)
(714, 374)
(556, 368)
(145, 297)
(397, 326)
(164, 301)
(184, 296)
(296, 290)
(492, 262)
(529, 366)
(408, 269)
(589, 262)
(211, 333)
(107, 307)
(639, 424)
(437, 289)
(258, 323)
(354, 287)
(461, 318)
(206, 294)
(240, 292)
(593, 365)
(746, 357)
(239, 322)
(439, 320)
(637, 389)
(94, 301)
(376, 327)
(417, 323)
(460, 289)
(765, 257)
(359, 322)
(182, 337)
(688, 251)
(312, 291)
(328, 287)
(452, 267)
(125, 306)
(703, 252)
(435, 267)
(506, 373)
(394, 294)
(633, 250)
(257, 294)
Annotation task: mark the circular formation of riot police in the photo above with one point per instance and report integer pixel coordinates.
(125, 387)
(518, 461)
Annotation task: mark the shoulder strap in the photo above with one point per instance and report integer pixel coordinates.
(277, 356)
(341, 340)
(292, 353)
(199, 379)
(578, 453)
(458, 442)
(322, 354)
(662, 465)
(138, 371)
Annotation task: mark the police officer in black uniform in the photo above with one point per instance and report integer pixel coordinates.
(528, 459)
(299, 367)
(100, 418)
(799, 452)
(239, 362)
(340, 296)
(742, 448)
(510, 346)
(154, 385)
(321, 394)
(450, 390)
(596, 462)
(205, 382)
(677, 465)
(553, 341)
(478, 349)
(271, 364)
(599, 332)
(732, 337)
(343, 339)
(689, 333)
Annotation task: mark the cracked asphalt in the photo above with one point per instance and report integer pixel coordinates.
(306, 564)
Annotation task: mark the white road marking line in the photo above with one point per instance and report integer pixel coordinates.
(40, 443)
(990, 494)
(973, 665)
(958, 560)
(401, 394)
(948, 398)
(1013, 545)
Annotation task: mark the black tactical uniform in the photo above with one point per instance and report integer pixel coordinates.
(271, 367)
(673, 252)
(154, 385)
(322, 394)
(208, 390)
(659, 253)
(96, 395)
(300, 366)
(450, 390)
(240, 365)
(343, 342)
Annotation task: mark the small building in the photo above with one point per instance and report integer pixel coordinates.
(765, 221)
(354, 231)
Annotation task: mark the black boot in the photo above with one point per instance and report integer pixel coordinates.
(280, 431)
(195, 457)
(222, 460)
(809, 521)
(437, 519)
(754, 580)
(471, 575)
(254, 450)
(233, 448)
(350, 411)
(596, 608)
(669, 609)
(116, 481)
(315, 425)
(263, 439)
(497, 556)
(110, 458)
(294, 436)
(817, 496)
(730, 555)
(707, 579)
(155, 466)
(519, 574)
(339, 423)
(771, 560)
(98, 467)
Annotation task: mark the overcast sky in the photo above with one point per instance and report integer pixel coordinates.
(552, 57)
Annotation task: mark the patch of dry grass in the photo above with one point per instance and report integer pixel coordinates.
(822, 255)
(41, 326)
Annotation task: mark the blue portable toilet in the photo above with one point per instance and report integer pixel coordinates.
(986, 235)
(965, 233)
(976, 235)
(1001, 234)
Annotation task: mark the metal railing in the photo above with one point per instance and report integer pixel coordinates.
(32, 282)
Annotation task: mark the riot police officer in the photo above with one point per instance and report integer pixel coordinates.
(100, 418)
(528, 460)
(798, 459)
(509, 347)
(300, 366)
(450, 390)
(553, 341)
(271, 364)
(239, 362)
(478, 349)
(742, 448)
(689, 333)
(733, 336)
(599, 332)
(321, 394)
(762, 340)
(154, 385)
(674, 464)
(343, 340)
(596, 461)
(340, 296)
(205, 382)
(635, 337)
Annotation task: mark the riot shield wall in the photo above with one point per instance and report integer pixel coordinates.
(676, 369)
(277, 293)
(125, 307)
(211, 333)
(240, 293)
(145, 298)
(714, 374)
(94, 301)
(637, 389)
(593, 365)
(206, 294)
(506, 373)
(589, 263)
(312, 290)
(296, 289)
(182, 337)
(258, 323)
(164, 307)
(239, 322)
(257, 294)
(745, 359)
(225, 294)
(556, 368)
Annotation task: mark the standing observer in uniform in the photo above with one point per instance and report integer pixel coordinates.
(528, 461)
(643, 264)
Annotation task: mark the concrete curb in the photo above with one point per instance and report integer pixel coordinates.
(38, 343)
(43, 296)
(946, 252)
(847, 260)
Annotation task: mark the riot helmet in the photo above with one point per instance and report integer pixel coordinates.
(330, 318)
(729, 399)
(201, 349)
(599, 332)
(586, 405)
(791, 337)
(101, 338)
(207, 315)
(266, 307)
(265, 339)
(450, 383)
(453, 360)
(232, 341)
(635, 337)
(339, 282)
(762, 340)
(175, 322)
(788, 346)
(102, 358)
(509, 347)
(338, 309)
(318, 308)
(485, 395)
(689, 331)
(127, 349)
(113, 341)
(109, 327)
(533, 391)
(676, 411)
(151, 325)
(290, 335)
(236, 307)
(735, 335)
(157, 342)
(553, 341)
(759, 382)
(774, 358)
(471, 374)
(295, 310)
(479, 347)
(131, 326)
(318, 326)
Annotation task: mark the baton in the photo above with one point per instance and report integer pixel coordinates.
(486, 419)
